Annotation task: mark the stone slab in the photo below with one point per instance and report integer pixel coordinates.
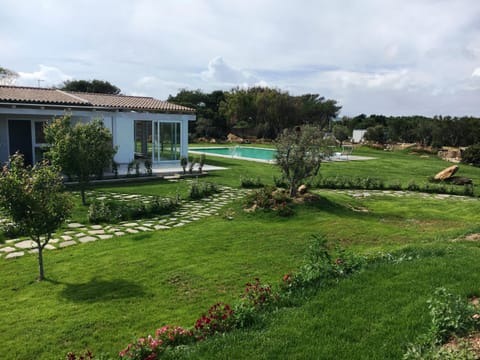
(66, 237)
(86, 239)
(14, 255)
(161, 227)
(105, 236)
(96, 232)
(119, 233)
(7, 249)
(67, 243)
(132, 231)
(26, 244)
(75, 225)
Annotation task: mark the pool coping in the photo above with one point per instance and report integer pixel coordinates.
(193, 151)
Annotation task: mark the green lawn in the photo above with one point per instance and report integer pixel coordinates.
(102, 295)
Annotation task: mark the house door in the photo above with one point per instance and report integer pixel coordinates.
(20, 138)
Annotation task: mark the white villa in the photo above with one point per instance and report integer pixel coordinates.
(142, 127)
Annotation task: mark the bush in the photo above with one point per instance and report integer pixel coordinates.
(148, 167)
(248, 183)
(471, 155)
(199, 190)
(269, 198)
(452, 317)
(102, 211)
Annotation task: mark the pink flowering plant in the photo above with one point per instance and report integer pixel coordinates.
(256, 298)
(87, 356)
(147, 348)
(219, 318)
(174, 335)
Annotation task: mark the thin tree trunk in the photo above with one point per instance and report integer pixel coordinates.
(40, 262)
(82, 192)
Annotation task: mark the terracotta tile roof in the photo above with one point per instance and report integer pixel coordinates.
(32, 95)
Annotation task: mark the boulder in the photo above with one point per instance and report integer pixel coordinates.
(458, 180)
(446, 173)
(234, 138)
(302, 189)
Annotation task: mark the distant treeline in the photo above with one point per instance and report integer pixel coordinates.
(434, 131)
(265, 112)
(258, 111)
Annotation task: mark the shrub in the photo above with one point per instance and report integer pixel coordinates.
(174, 335)
(269, 198)
(130, 167)
(412, 186)
(471, 155)
(199, 190)
(137, 168)
(248, 182)
(219, 318)
(148, 167)
(452, 317)
(115, 169)
(101, 211)
(184, 163)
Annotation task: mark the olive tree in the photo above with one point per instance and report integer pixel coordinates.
(81, 151)
(34, 201)
(299, 154)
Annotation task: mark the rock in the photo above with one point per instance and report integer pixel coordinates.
(302, 189)
(446, 173)
(234, 138)
(458, 180)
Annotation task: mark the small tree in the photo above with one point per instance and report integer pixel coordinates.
(81, 151)
(341, 133)
(376, 133)
(34, 200)
(471, 155)
(299, 154)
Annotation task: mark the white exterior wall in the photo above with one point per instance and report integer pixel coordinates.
(122, 131)
(121, 125)
(4, 147)
(358, 135)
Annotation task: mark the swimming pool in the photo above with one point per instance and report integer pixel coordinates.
(240, 152)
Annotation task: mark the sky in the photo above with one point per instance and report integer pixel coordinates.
(391, 57)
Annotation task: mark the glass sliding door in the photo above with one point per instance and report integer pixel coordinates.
(143, 139)
(170, 141)
(159, 141)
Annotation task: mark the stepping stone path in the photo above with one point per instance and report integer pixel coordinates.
(393, 193)
(77, 233)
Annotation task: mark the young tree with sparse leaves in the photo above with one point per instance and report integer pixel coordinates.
(34, 200)
(300, 152)
(81, 151)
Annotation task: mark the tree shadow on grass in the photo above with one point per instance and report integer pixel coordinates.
(102, 290)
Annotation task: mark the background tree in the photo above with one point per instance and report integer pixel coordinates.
(210, 122)
(90, 86)
(7, 76)
(81, 151)
(299, 154)
(34, 200)
(471, 155)
(376, 133)
(341, 133)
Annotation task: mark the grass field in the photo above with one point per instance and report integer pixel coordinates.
(102, 295)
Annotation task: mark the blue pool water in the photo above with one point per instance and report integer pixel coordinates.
(241, 152)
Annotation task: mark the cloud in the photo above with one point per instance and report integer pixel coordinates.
(476, 72)
(221, 72)
(46, 76)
